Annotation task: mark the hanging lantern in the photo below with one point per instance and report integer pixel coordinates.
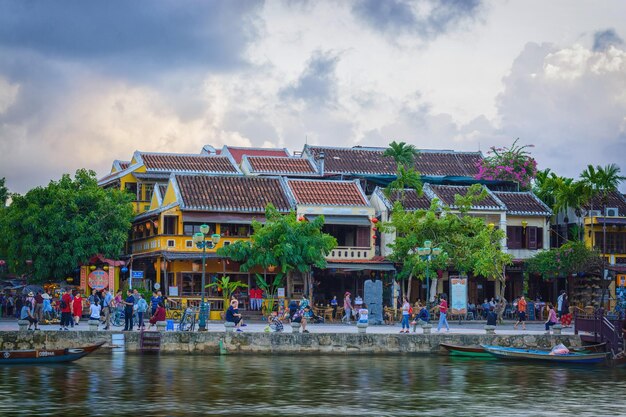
(301, 218)
(69, 279)
(92, 267)
(374, 237)
(106, 267)
(374, 220)
(374, 229)
(124, 269)
(156, 224)
(148, 225)
(271, 268)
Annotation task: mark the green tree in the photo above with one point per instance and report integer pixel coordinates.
(570, 194)
(64, 224)
(402, 153)
(571, 258)
(602, 180)
(4, 193)
(544, 186)
(283, 242)
(227, 288)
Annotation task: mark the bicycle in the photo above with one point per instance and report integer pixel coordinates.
(188, 320)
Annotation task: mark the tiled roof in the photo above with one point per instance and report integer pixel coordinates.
(327, 193)
(280, 165)
(523, 203)
(162, 189)
(614, 199)
(187, 163)
(447, 163)
(124, 164)
(238, 153)
(446, 194)
(411, 201)
(353, 160)
(231, 193)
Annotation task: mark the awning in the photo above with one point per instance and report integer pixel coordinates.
(238, 218)
(610, 220)
(178, 256)
(345, 220)
(361, 266)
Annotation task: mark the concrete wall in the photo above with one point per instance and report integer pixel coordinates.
(283, 343)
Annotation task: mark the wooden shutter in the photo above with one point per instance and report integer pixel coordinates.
(514, 237)
(363, 237)
(540, 238)
(531, 237)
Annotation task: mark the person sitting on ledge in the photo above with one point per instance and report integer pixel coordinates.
(159, 314)
(422, 318)
(233, 315)
(27, 314)
(492, 317)
(300, 317)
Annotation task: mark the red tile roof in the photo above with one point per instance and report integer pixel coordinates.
(447, 163)
(353, 160)
(188, 163)
(446, 194)
(523, 203)
(327, 193)
(411, 201)
(124, 164)
(614, 199)
(231, 193)
(238, 153)
(280, 165)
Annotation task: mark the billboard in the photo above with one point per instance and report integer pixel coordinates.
(458, 294)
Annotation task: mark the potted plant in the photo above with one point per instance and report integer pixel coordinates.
(227, 287)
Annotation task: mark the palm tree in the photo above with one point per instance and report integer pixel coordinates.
(405, 178)
(570, 194)
(402, 153)
(545, 182)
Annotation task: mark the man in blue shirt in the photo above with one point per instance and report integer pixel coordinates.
(27, 314)
(106, 307)
(233, 315)
(128, 311)
(154, 302)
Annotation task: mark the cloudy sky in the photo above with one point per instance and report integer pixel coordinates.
(84, 83)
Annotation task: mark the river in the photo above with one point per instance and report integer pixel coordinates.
(305, 385)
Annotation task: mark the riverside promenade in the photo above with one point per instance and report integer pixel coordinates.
(321, 339)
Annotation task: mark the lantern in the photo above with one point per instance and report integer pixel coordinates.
(148, 225)
(374, 229)
(124, 269)
(92, 267)
(374, 220)
(106, 267)
(374, 237)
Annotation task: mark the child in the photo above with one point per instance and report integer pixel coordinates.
(363, 314)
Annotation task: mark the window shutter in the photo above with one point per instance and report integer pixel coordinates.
(540, 238)
(514, 237)
(531, 237)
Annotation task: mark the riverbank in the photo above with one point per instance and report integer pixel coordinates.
(214, 343)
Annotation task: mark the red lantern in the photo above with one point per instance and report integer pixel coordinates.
(374, 220)
(373, 236)
(301, 219)
(374, 229)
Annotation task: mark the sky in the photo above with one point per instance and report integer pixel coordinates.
(85, 83)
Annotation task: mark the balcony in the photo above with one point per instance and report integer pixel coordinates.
(351, 253)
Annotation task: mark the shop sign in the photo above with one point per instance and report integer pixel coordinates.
(458, 294)
(83, 277)
(98, 279)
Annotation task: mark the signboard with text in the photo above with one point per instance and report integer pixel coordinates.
(458, 294)
(98, 280)
(137, 274)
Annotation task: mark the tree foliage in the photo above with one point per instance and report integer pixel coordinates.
(4, 193)
(468, 244)
(62, 225)
(571, 258)
(283, 242)
(512, 163)
(402, 153)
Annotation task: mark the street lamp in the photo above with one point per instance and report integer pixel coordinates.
(428, 253)
(201, 242)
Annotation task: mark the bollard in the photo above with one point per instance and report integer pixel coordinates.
(161, 326)
(556, 329)
(361, 327)
(490, 329)
(229, 326)
(426, 328)
(295, 327)
(93, 325)
(23, 325)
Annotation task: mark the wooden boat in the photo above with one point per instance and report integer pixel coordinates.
(474, 351)
(38, 356)
(600, 347)
(544, 355)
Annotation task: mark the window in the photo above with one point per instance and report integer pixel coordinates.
(235, 230)
(189, 229)
(189, 243)
(346, 235)
(131, 187)
(519, 237)
(170, 225)
(148, 189)
(171, 243)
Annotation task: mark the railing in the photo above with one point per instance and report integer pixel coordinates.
(351, 253)
(602, 327)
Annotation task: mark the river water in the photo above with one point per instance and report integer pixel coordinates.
(308, 385)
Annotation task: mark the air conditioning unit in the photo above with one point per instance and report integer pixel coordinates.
(611, 212)
(595, 213)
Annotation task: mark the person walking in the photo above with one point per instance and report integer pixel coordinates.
(347, 306)
(107, 305)
(551, 317)
(77, 307)
(142, 307)
(521, 313)
(443, 312)
(39, 307)
(566, 317)
(128, 311)
(405, 315)
(47, 308)
(66, 309)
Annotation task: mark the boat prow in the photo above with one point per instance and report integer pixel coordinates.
(545, 356)
(472, 351)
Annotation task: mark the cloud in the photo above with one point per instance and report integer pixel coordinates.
(317, 84)
(425, 18)
(137, 37)
(570, 102)
(602, 40)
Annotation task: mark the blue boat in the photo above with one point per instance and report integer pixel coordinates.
(545, 356)
(40, 356)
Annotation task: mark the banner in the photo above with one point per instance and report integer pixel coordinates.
(458, 294)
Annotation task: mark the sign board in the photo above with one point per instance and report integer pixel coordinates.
(137, 274)
(112, 278)
(458, 294)
(281, 293)
(83, 277)
(98, 279)
(173, 291)
(157, 286)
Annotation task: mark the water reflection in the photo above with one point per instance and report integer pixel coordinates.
(307, 385)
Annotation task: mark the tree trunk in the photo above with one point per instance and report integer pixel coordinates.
(408, 289)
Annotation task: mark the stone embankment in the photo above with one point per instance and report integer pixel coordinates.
(284, 343)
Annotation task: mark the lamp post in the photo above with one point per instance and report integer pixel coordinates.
(201, 242)
(428, 253)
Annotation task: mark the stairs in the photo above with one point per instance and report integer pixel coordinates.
(149, 341)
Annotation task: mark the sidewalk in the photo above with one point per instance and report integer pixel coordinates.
(467, 327)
